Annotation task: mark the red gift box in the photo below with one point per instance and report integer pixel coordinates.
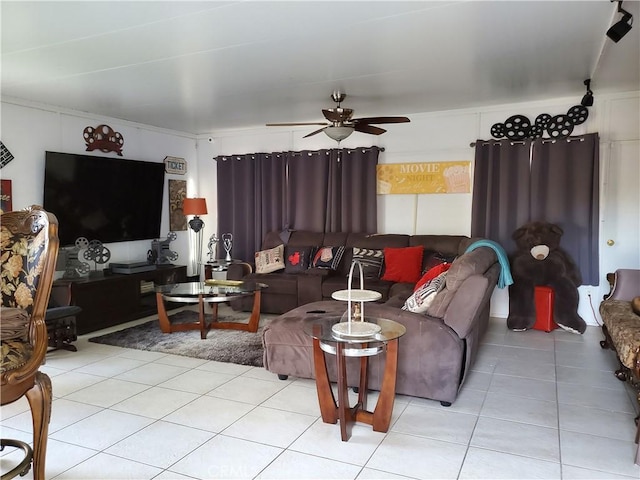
(543, 297)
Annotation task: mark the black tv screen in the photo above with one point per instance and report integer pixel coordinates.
(105, 199)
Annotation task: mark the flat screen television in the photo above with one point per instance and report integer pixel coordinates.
(105, 199)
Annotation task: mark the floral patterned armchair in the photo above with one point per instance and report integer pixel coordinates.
(28, 251)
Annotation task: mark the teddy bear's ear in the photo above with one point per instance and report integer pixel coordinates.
(519, 233)
(556, 229)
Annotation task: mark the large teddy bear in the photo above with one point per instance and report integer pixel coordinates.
(539, 260)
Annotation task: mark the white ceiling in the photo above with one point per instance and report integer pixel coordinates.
(198, 67)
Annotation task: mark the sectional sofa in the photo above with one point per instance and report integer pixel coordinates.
(440, 345)
(287, 291)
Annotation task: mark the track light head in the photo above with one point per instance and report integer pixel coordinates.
(587, 100)
(621, 27)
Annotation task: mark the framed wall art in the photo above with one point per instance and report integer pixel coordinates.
(177, 194)
(6, 203)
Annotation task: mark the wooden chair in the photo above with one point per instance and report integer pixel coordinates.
(28, 251)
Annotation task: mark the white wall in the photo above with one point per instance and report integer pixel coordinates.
(446, 136)
(28, 131)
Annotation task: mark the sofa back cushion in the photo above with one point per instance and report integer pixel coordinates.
(335, 239)
(305, 238)
(445, 244)
(271, 240)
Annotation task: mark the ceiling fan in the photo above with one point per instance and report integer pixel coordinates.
(341, 125)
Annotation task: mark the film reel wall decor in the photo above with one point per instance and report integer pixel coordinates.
(103, 138)
(519, 127)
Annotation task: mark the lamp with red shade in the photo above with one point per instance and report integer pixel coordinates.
(195, 207)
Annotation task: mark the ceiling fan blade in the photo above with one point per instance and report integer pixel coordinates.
(313, 133)
(381, 120)
(366, 128)
(294, 124)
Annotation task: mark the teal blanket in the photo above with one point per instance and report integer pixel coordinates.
(505, 272)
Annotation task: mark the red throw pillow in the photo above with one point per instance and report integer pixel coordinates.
(402, 264)
(431, 274)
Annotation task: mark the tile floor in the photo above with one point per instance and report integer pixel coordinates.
(536, 405)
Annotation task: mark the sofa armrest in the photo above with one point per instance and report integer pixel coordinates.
(237, 271)
(466, 304)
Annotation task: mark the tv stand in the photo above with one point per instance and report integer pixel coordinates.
(109, 300)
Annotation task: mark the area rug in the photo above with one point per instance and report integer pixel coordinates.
(230, 346)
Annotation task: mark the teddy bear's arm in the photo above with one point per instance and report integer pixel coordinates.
(573, 272)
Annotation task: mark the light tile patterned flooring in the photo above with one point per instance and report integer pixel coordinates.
(537, 405)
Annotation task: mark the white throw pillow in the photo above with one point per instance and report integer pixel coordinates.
(420, 300)
(268, 261)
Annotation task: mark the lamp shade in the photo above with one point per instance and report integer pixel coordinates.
(194, 206)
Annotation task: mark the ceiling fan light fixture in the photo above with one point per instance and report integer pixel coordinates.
(338, 133)
(621, 27)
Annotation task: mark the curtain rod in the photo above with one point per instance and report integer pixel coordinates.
(310, 152)
(523, 142)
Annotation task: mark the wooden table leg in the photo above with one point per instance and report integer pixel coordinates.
(254, 320)
(327, 401)
(345, 415)
(163, 318)
(204, 328)
(384, 407)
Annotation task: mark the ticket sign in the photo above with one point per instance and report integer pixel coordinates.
(175, 165)
(425, 177)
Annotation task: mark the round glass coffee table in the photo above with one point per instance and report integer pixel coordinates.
(358, 342)
(213, 292)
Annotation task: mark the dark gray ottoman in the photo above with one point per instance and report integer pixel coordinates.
(288, 350)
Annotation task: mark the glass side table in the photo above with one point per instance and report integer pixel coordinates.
(325, 340)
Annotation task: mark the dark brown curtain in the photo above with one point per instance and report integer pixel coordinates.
(501, 190)
(352, 201)
(251, 199)
(324, 191)
(555, 181)
(307, 187)
(565, 190)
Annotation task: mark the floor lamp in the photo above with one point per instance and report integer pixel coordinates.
(195, 207)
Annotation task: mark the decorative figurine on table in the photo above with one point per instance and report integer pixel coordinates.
(213, 247)
(227, 243)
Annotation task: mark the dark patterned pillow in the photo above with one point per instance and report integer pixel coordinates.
(328, 257)
(371, 261)
(296, 259)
